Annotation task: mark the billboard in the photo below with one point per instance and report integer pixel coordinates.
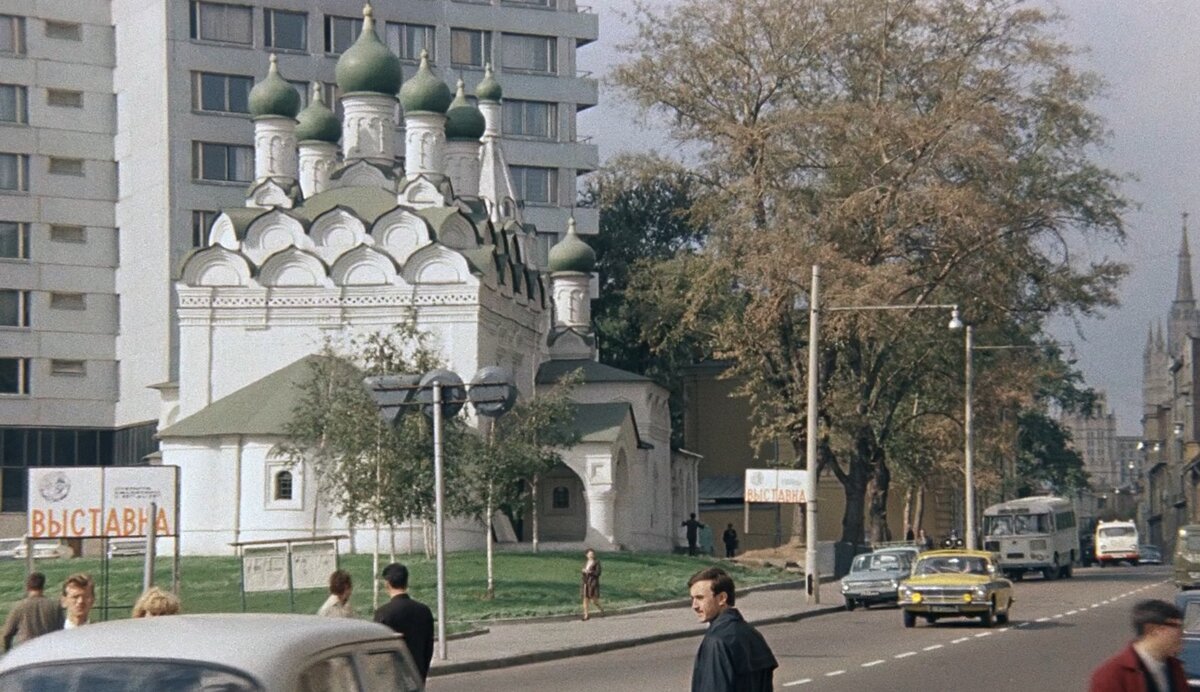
(775, 485)
(101, 501)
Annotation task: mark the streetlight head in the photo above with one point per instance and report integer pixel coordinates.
(955, 322)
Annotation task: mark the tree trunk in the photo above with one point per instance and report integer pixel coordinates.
(908, 528)
(533, 510)
(919, 510)
(881, 480)
(491, 577)
(854, 487)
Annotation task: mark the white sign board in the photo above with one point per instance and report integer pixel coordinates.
(266, 568)
(775, 485)
(101, 501)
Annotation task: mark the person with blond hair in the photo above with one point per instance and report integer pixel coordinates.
(155, 602)
(78, 597)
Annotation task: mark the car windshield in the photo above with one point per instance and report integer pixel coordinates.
(1016, 524)
(125, 676)
(944, 564)
(1115, 531)
(878, 563)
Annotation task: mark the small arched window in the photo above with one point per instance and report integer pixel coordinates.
(283, 485)
(560, 497)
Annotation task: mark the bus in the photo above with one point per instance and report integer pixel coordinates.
(1033, 534)
(1116, 541)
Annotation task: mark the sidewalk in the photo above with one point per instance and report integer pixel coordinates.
(515, 643)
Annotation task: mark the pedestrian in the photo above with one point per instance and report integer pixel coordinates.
(926, 542)
(730, 540)
(407, 616)
(733, 656)
(33, 615)
(693, 527)
(155, 602)
(589, 589)
(338, 603)
(1150, 663)
(78, 597)
(909, 536)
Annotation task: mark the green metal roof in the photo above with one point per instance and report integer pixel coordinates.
(273, 95)
(602, 422)
(464, 121)
(489, 89)
(317, 122)
(368, 65)
(552, 371)
(367, 203)
(425, 93)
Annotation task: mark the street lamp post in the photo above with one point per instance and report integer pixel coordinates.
(812, 576)
(969, 439)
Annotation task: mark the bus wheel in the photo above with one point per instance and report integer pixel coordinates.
(1050, 573)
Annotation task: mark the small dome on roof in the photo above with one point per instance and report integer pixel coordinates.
(317, 122)
(425, 92)
(463, 119)
(368, 65)
(571, 254)
(488, 89)
(273, 95)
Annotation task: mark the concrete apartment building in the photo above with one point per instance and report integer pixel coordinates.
(124, 127)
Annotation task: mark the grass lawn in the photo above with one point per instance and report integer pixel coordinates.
(526, 584)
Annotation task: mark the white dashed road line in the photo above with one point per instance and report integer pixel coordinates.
(872, 663)
(933, 647)
(960, 640)
(834, 673)
(793, 683)
(906, 654)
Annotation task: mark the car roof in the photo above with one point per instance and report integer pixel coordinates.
(957, 552)
(255, 643)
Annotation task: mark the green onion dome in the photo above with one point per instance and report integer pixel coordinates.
(488, 89)
(273, 95)
(368, 65)
(425, 92)
(571, 254)
(463, 119)
(317, 122)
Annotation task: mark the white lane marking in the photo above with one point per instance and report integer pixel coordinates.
(1072, 612)
(983, 634)
(872, 663)
(961, 640)
(793, 683)
(906, 654)
(834, 673)
(1043, 620)
(1003, 629)
(1095, 605)
(1057, 616)
(931, 648)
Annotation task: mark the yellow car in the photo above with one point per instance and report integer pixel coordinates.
(956, 583)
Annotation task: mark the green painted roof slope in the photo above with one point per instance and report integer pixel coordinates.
(464, 121)
(368, 65)
(552, 371)
(425, 93)
(317, 122)
(263, 407)
(273, 95)
(601, 422)
(367, 203)
(572, 254)
(488, 89)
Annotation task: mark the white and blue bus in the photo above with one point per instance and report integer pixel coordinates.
(1033, 534)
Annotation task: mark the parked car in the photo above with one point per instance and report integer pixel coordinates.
(43, 550)
(1189, 603)
(1149, 555)
(245, 652)
(874, 576)
(8, 548)
(956, 583)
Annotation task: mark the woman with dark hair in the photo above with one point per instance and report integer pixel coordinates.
(589, 589)
(338, 603)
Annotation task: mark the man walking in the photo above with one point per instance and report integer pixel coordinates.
(410, 618)
(730, 540)
(1150, 663)
(33, 615)
(78, 597)
(692, 527)
(733, 656)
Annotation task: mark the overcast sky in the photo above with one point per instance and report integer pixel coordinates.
(1148, 52)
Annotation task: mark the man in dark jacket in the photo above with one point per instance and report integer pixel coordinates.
(407, 616)
(733, 656)
(34, 615)
(1150, 663)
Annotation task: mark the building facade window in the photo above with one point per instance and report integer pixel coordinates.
(340, 33)
(222, 162)
(525, 53)
(12, 34)
(14, 172)
(202, 222)
(222, 23)
(67, 31)
(14, 104)
(14, 376)
(22, 447)
(283, 485)
(75, 368)
(64, 98)
(64, 166)
(470, 48)
(408, 40)
(536, 119)
(221, 93)
(285, 30)
(560, 498)
(14, 308)
(68, 301)
(68, 234)
(14, 240)
(536, 185)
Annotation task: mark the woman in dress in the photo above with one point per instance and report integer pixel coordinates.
(589, 589)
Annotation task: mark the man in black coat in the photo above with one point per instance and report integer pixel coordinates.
(733, 656)
(410, 618)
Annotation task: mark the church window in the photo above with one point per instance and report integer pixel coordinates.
(560, 497)
(470, 48)
(68, 301)
(14, 240)
(14, 375)
(408, 40)
(222, 162)
(221, 93)
(285, 30)
(341, 33)
(63, 166)
(68, 367)
(12, 34)
(13, 105)
(283, 485)
(68, 234)
(215, 21)
(14, 172)
(535, 185)
(536, 119)
(64, 98)
(67, 31)
(202, 222)
(524, 53)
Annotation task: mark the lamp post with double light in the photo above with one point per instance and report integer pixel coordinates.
(812, 577)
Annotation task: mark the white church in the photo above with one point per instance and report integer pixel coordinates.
(333, 240)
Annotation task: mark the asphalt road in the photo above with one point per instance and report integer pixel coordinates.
(1059, 631)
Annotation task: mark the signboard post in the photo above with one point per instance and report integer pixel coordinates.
(287, 565)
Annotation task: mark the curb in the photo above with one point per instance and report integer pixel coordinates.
(586, 650)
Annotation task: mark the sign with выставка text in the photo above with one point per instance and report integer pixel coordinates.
(101, 501)
(775, 485)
